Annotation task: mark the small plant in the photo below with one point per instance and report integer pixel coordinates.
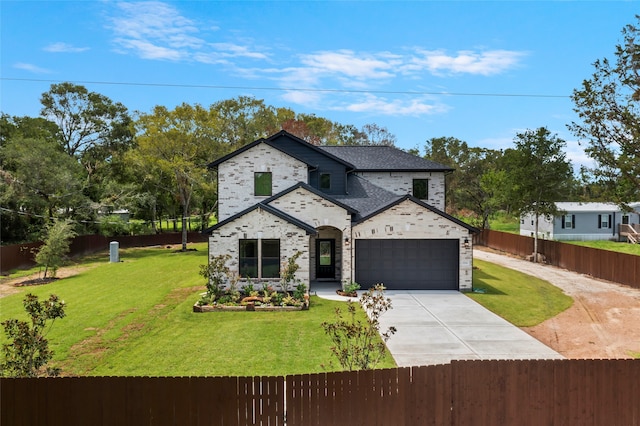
(350, 286)
(288, 272)
(216, 273)
(55, 247)
(247, 289)
(300, 291)
(27, 352)
(356, 344)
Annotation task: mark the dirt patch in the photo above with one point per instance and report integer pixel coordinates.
(13, 285)
(601, 323)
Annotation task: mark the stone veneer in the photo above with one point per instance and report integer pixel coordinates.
(401, 183)
(236, 177)
(225, 240)
(408, 220)
(331, 221)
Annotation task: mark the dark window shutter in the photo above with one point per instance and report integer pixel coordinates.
(599, 221)
(609, 221)
(573, 221)
(562, 221)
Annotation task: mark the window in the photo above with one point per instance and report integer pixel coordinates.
(604, 221)
(325, 181)
(568, 221)
(259, 258)
(420, 189)
(262, 183)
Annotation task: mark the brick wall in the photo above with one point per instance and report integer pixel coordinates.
(408, 220)
(401, 183)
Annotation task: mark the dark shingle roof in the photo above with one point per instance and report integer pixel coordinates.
(383, 158)
(365, 197)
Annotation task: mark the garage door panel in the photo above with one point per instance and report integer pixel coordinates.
(408, 264)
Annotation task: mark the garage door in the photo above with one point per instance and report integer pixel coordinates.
(408, 264)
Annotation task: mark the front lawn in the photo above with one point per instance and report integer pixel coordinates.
(521, 299)
(135, 318)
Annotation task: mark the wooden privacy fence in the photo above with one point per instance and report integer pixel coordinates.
(604, 264)
(524, 392)
(20, 255)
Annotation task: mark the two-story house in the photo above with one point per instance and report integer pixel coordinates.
(369, 214)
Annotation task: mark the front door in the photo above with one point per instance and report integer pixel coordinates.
(325, 258)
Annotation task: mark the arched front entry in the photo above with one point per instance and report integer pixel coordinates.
(326, 254)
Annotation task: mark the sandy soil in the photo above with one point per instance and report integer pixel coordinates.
(9, 285)
(603, 322)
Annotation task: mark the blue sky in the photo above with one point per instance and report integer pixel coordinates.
(420, 69)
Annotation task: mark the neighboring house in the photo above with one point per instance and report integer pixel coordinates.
(364, 214)
(585, 222)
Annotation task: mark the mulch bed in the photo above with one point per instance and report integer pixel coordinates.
(36, 281)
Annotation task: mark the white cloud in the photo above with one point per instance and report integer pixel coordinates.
(396, 107)
(61, 47)
(156, 30)
(485, 63)
(31, 68)
(347, 63)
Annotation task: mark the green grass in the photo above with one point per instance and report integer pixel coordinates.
(609, 245)
(505, 223)
(519, 298)
(135, 318)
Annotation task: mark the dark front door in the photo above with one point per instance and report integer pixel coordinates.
(326, 258)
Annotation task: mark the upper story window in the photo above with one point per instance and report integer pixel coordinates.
(421, 189)
(262, 183)
(325, 181)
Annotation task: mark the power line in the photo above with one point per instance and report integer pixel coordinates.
(292, 89)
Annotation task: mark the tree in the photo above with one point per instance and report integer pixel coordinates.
(357, 343)
(27, 352)
(178, 144)
(377, 135)
(607, 104)
(56, 245)
(40, 178)
(92, 127)
(537, 175)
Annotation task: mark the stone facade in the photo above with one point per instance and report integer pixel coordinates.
(401, 183)
(260, 224)
(409, 220)
(236, 177)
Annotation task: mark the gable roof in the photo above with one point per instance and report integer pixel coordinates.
(313, 191)
(272, 141)
(383, 159)
(270, 209)
(420, 203)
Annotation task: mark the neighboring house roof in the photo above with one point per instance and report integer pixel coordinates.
(420, 203)
(312, 190)
(383, 159)
(592, 207)
(279, 213)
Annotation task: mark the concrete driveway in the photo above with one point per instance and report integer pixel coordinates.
(435, 327)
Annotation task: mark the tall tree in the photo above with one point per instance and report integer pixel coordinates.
(537, 175)
(607, 104)
(92, 127)
(179, 144)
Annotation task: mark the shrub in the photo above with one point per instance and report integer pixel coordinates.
(356, 344)
(28, 350)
